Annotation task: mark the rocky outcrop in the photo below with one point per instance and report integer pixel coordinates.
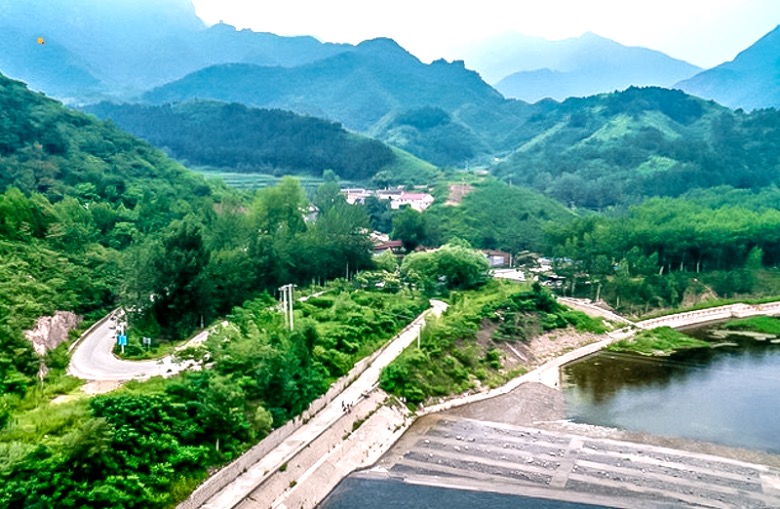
(51, 331)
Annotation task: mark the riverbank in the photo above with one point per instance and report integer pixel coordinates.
(304, 483)
(456, 452)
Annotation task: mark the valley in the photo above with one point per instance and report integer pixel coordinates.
(293, 203)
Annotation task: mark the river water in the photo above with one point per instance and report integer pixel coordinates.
(728, 395)
(356, 493)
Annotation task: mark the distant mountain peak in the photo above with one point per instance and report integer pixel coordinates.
(380, 45)
(750, 81)
(617, 66)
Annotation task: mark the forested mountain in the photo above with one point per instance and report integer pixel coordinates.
(74, 193)
(234, 136)
(118, 48)
(91, 216)
(622, 147)
(750, 81)
(366, 89)
(531, 68)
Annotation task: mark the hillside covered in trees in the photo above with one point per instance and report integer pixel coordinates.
(92, 217)
(221, 135)
(622, 147)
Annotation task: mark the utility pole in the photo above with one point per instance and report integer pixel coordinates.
(287, 305)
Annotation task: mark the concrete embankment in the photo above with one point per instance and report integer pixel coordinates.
(259, 468)
(355, 441)
(302, 468)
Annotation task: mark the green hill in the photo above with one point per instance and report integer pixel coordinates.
(619, 148)
(74, 194)
(249, 140)
(372, 88)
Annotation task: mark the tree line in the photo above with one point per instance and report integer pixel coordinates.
(252, 140)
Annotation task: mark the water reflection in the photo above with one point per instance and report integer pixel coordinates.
(728, 395)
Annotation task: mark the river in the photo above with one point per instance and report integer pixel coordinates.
(729, 395)
(357, 493)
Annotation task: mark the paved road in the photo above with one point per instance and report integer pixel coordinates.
(94, 360)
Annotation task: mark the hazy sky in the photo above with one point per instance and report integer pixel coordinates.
(703, 32)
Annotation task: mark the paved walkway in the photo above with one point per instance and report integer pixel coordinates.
(320, 427)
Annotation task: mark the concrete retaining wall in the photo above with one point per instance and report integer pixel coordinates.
(712, 314)
(229, 473)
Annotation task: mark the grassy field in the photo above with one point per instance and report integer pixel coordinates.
(251, 181)
(762, 324)
(406, 168)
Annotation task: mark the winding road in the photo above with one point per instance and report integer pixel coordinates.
(93, 358)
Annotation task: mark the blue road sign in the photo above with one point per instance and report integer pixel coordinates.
(121, 340)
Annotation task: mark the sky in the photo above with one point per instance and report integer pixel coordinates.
(702, 32)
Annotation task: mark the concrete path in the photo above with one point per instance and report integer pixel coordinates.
(587, 307)
(317, 435)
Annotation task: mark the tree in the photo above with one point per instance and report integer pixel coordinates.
(328, 193)
(169, 283)
(379, 213)
(450, 267)
(410, 227)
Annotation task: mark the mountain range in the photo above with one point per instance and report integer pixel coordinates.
(377, 88)
(84, 51)
(160, 52)
(119, 48)
(750, 81)
(532, 68)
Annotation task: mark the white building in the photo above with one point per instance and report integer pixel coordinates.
(417, 201)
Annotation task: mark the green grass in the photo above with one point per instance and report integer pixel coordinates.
(252, 181)
(762, 324)
(662, 341)
(410, 169)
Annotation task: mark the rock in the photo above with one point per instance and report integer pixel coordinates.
(51, 331)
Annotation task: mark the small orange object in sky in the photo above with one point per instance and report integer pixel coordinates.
(41, 41)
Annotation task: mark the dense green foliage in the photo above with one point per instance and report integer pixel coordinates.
(498, 216)
(461, 350)
(705, 242)
(197, 271)
(622, 147)
(203, 133)
(74, 193)
(658, 341)
(147, 445)
(451, 267)
(91, 217)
